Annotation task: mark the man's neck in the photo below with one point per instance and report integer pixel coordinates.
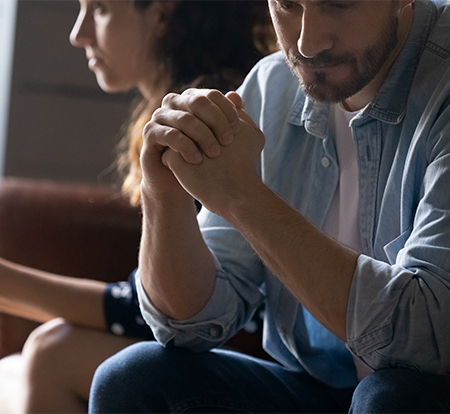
(368, 93)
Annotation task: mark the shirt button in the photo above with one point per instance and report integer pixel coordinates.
(215, 332)
(251, 327)
(325, 162)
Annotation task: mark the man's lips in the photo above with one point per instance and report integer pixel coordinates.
(322, 62)
(318, 66)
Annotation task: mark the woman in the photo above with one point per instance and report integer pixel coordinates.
(154, 47)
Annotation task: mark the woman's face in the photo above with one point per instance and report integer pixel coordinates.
(120, 43)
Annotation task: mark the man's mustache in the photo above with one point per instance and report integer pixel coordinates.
(324, 58)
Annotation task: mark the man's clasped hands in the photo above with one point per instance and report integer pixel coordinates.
(204, 141)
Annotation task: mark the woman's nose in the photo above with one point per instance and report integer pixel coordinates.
(83, 31)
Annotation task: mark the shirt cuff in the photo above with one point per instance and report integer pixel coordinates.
(203, 331)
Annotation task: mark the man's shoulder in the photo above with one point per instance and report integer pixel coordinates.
(274, 59)
(272, 76)
(441, 5)
(270, 86)
(273, 65)
(439, 39)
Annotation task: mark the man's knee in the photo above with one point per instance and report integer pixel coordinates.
(402, 391)
(128, 380)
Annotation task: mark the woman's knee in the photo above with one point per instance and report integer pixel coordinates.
(46, 344)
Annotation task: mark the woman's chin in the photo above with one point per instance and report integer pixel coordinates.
(111, 87)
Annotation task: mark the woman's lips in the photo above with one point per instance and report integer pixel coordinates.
(92, 62)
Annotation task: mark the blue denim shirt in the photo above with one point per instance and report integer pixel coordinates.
(399, 305)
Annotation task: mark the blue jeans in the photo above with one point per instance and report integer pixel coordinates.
(402, 391)
(146, 378)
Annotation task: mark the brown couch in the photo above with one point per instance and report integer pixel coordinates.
(72, 229)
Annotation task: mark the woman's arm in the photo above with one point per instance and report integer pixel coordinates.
(41, 296)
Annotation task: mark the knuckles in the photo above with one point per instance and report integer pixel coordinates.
(158, 115)
(169, 99)
(147, 128)
(185, 117)
(192, 98)
(199, 99)
(201, 92)
(214, 94)
(198, 103)
(171, 135)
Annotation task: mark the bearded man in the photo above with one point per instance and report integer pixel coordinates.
(340, 225)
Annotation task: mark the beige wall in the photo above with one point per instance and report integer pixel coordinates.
(61, 126)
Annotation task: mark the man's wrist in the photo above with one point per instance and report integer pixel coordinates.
(243, 201)
(167, 199)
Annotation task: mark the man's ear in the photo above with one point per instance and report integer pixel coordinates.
(162, 12)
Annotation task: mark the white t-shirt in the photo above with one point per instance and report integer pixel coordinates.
(342, 221)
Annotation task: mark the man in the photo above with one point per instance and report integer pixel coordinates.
(340, 226)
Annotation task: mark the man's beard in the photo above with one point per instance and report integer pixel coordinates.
(373, 60)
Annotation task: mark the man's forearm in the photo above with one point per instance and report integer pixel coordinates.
(315, 268)
(177, 269)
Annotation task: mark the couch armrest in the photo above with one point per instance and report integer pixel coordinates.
(66, 228)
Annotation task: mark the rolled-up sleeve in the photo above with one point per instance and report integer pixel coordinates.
(399, 318)
(199, 333)
(233, 302)
(399, 312)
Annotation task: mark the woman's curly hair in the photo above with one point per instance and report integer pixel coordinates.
(209, 44)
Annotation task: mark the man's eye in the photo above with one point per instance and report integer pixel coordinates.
(286, 5)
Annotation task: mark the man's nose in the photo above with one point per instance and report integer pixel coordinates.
(83, 31)
(315, 36)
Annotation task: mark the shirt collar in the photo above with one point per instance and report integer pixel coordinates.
(312, 115)
(390, 103)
